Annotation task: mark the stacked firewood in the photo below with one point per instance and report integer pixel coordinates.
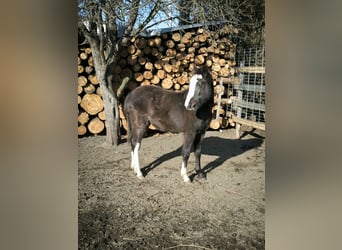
(167, 61)
(91, 114)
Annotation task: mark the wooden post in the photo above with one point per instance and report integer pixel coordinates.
(219, 99)
(239, 109)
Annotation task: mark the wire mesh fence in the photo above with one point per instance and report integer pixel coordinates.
(246, 96)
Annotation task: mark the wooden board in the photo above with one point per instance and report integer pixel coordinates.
(255, 69)
(257, 125)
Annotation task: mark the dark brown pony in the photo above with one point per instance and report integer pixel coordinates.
(188, 111)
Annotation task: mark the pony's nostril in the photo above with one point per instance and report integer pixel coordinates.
(191, 105)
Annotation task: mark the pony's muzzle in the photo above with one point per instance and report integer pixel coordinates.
(192, 105)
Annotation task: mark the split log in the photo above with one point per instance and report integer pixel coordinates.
(82, 80)
(81, 130)
(202, 50)
(166, 83)
(148, 75)
(158, 64)
(132, 59)
(145, 82)
(155, 80)
(79, 99)
(80, 69)
(89, 69)
(200, 31)
(150, 42)
(131, 49)
(181, 47)
(222, 62)
(157, 41)
(161, 74)
(92, 103)
(177, 86)
(96, 126)
(93, 79)
(83, 118)
(89, 89)
(91, 61)
(149, 66)
(224, 72)
(139, 77)
(79, 89)
(201, 37)
(170, 44)
(199, 59)
(216, 67)
(139, 52)
(191, 50)
(171, 52)
(167, 67)
(209, 63)
(83, 56)
(182, 80)
(215, 124)
(176, 37)
(99, 91)
(102, 115)
(87, 50)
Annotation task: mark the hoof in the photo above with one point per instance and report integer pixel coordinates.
(201, 175)
(140, 177)
(186, 179)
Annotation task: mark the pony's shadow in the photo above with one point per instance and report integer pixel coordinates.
(223, 148)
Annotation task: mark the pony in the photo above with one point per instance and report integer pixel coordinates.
(188, 112)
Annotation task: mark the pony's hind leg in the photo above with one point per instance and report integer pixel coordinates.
(137, 134)
(135, 160)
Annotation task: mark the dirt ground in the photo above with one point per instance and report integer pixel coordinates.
(224, 211)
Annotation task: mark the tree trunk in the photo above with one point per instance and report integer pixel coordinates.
(110, 101)
(109, 108)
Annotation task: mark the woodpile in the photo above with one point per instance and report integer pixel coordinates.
(167, 61)
(90, 104)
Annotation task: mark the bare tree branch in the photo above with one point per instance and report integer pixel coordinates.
(152, 14)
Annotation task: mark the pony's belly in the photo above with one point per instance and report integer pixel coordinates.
(165, 126)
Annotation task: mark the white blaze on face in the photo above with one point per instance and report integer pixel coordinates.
(192, 87)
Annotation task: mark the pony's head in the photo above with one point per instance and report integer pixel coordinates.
(200, 89)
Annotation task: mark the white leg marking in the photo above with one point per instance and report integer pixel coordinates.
(132, 162)
(136, 161)
(192, 87)
(183, 173)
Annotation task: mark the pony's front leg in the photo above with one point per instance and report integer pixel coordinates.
(188, 141)
(197, 151)
(183, 171)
